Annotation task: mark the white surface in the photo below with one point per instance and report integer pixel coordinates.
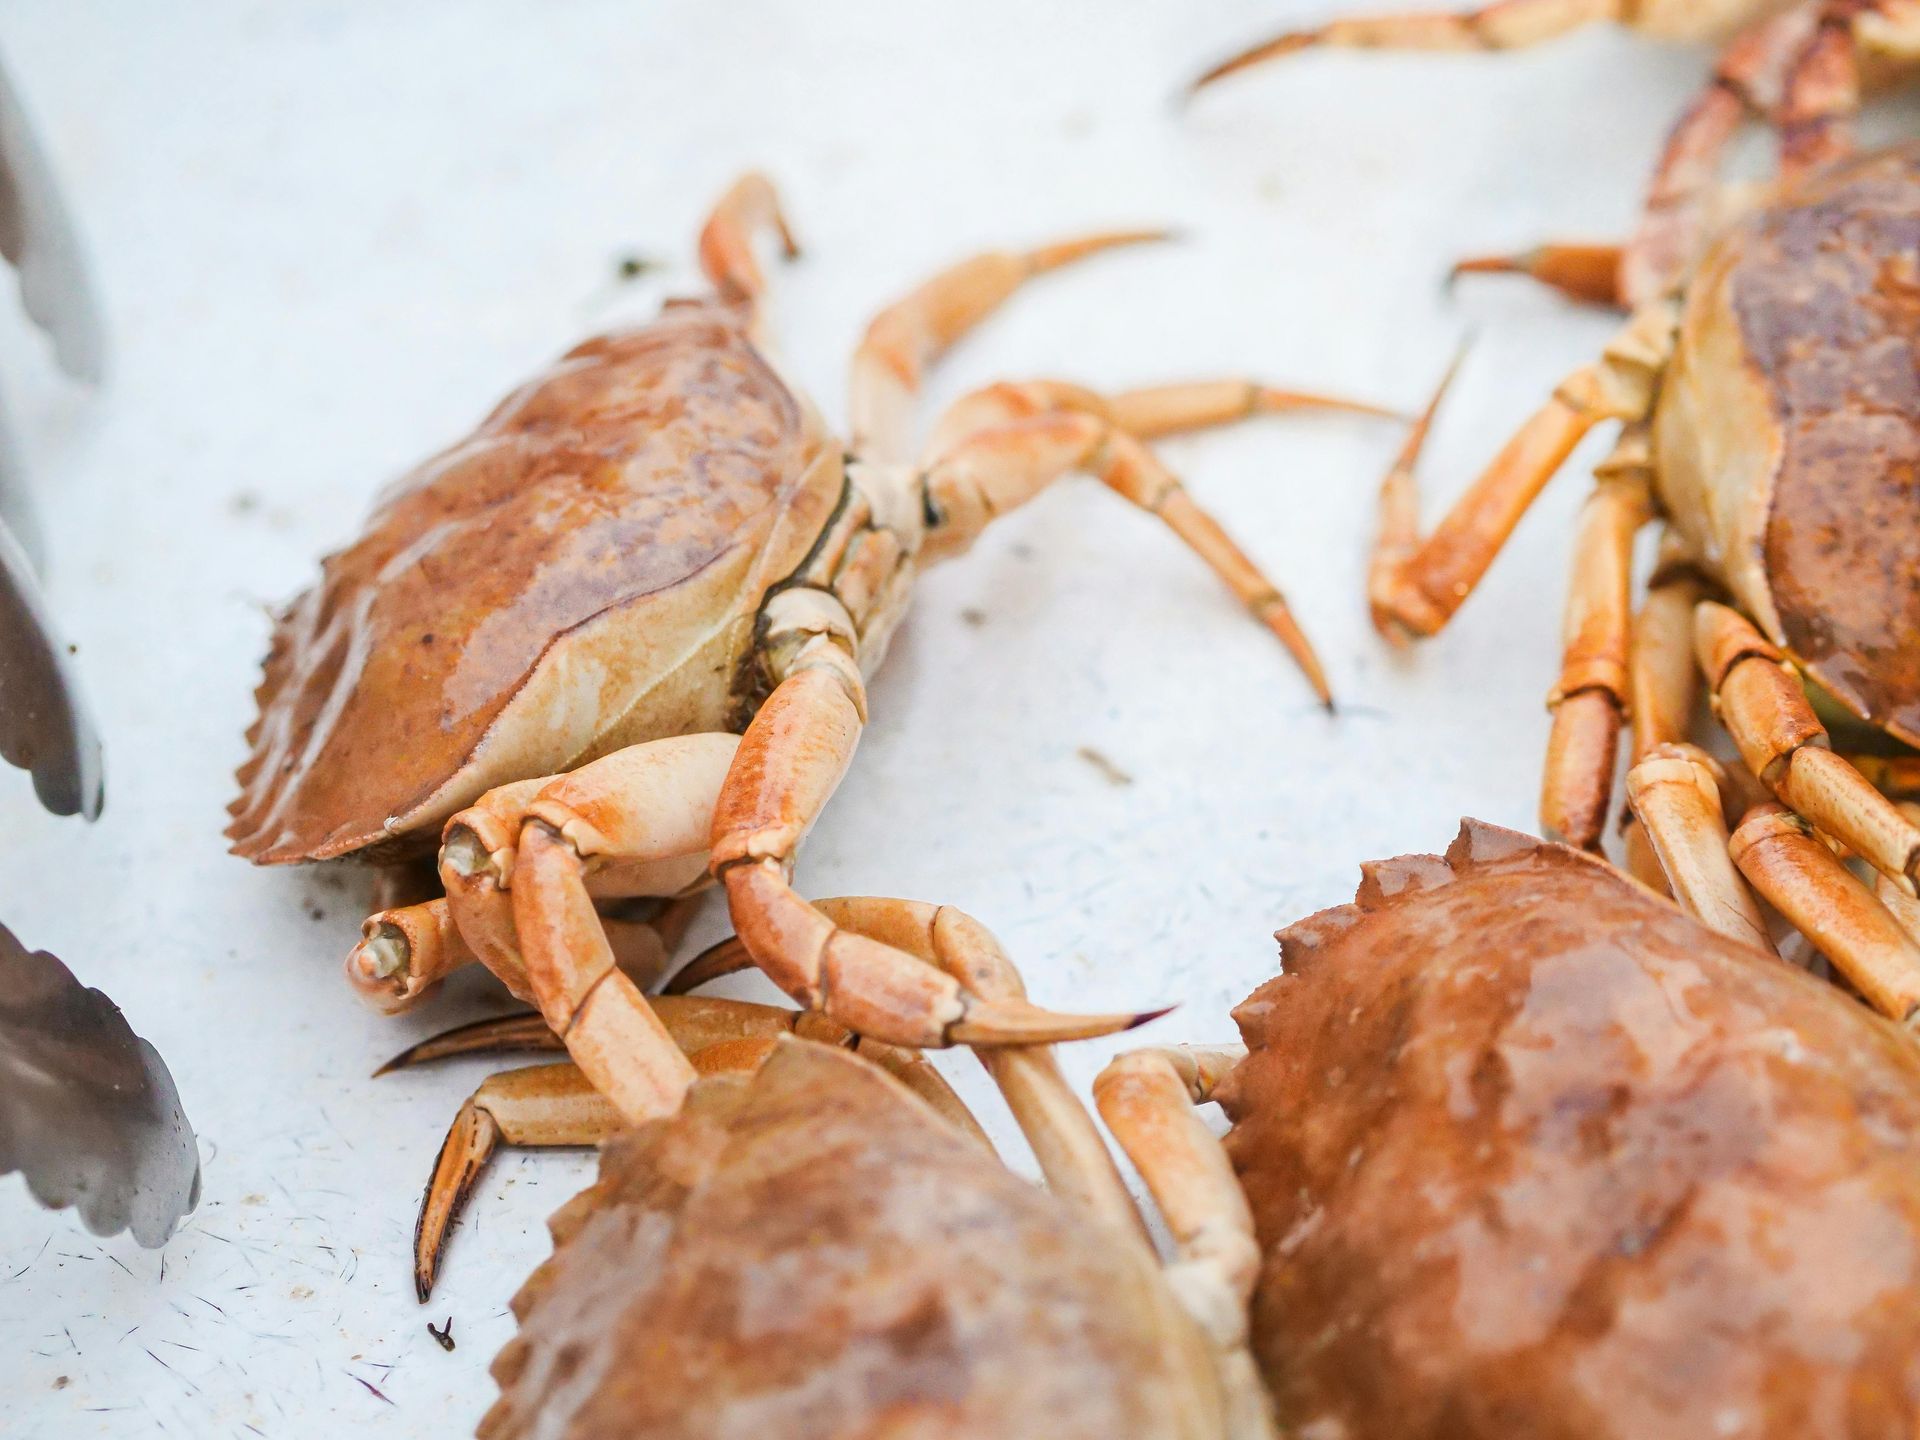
(330, 235)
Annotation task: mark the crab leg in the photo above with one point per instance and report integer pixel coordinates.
(1679, 210)
(1675, 791)
(1822, 96)
(556, 1105)
(404, 953)
(1587, 273)
(1502, 25)
(1147, 1099)
(995, 470)
(1759, 699)
(1589, 700)
(515, 869)
(912, 333)
(1803, 879)
(790, 760)
(1417, 585)
(726, 242)
(1662, 685)
(1070, 1151)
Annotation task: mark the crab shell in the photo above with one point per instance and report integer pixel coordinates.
(812, 1254)
(581, 573)
(1787, 431)
(1532, 1153)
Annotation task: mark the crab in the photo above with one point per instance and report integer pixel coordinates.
(615, 645)
(1517, 1148)
(810, 1247)
(1798, 64)
(1771, 416)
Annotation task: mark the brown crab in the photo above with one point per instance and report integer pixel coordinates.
(1518, 1149)
(1772, 418)
(808, 1250)
(1798, 64)
(617, 641)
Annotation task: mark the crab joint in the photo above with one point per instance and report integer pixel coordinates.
(1758, 696)
(1777, 851)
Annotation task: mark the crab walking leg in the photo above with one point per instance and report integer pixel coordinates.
(1903, 907)
(1075, 1161)
(554, 1105)
(790, 760)
(913, 332)
(1675, 791)
(1417, 585)
(1822, 97)
(1679, 209)
(1584, 272)
(1152, 411)
(1147, 1099)
(538, 1105)
(1589, 700)
(1148, 413)
(1759, 699)
(1662, 685)
(994, 471)
(1502, 25)
(726, 242)
(1803, 879)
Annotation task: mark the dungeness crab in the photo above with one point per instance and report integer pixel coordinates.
(616, 643)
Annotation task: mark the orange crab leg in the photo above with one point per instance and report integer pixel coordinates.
(1148, 413)
(1071, 1154)
(1416, 585)
(1502, 25)
(1805, 881)
(912, 333)
(1587, 273)
(1662, 686)
(790, 760)
(1147, 1099)
(1589, 700)
(995, 470)
(1760, 701)
(726, 241)
(1675, 791)
(558, 1105)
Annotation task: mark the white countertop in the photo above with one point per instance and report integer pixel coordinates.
(330, 235)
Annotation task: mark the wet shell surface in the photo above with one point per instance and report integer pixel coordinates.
(813, 1255)
(579, 573)
(1532, 1153)
(1789, 428)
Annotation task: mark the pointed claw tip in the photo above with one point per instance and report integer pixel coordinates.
(1147, 1017)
